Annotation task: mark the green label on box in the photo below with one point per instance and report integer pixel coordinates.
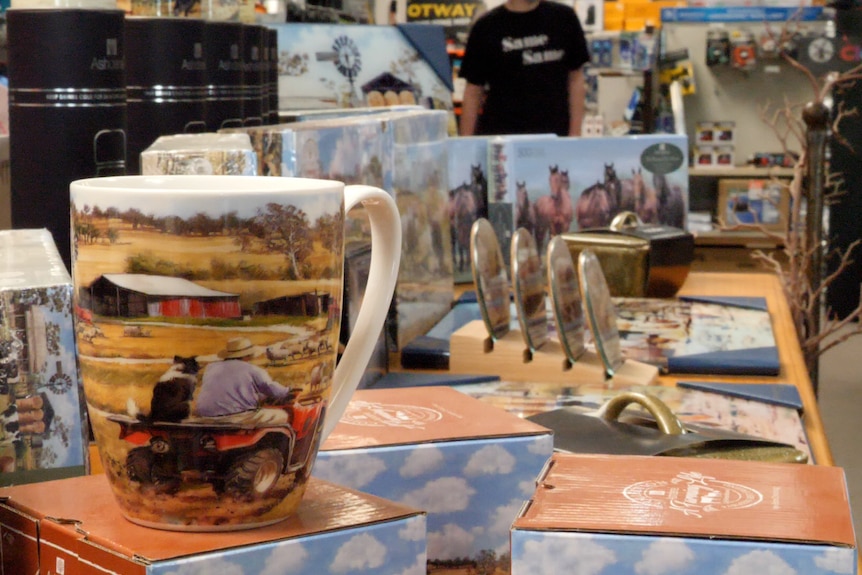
(662, 158)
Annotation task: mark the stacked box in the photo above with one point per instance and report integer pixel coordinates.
(420, 167)
(468, 464)
(335, 530)
(211, 154)
(714, 144)
(403, 152)
(468, 197)
(357, 265)
(557, 185)
(631, 514)
(43, 423)
(285, 116)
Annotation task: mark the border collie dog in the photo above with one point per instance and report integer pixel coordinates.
(172, 395)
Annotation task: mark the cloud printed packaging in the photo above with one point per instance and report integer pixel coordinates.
(468, 464)
(335, 531)
(601, 514)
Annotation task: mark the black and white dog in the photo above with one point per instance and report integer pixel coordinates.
(172, 395)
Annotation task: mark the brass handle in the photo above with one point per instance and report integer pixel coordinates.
(665, 418)
(625, 220)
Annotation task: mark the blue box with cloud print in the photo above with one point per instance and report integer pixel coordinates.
(469, 464)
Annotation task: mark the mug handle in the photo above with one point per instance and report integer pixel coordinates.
(382, 275)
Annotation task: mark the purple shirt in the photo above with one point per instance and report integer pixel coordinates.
(233, 386)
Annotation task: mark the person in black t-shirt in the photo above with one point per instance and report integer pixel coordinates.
(524, 69)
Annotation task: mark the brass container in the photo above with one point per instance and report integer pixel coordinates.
(638, 260)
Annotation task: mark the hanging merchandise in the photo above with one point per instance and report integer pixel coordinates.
(790, 45)
(645, 49)
(743, 50)
(768, 46)
(634, 113)
(627, 45)
(601, 52)
(717, 47)
(676, 66)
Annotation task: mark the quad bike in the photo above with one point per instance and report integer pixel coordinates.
(238, 459)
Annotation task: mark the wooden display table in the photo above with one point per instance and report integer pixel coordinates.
(789, 353)
(793, 370)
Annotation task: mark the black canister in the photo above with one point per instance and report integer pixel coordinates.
(223, 53)
(165, 81)
(272, 35)
(67, 110)
(252, 74)
(264, 74)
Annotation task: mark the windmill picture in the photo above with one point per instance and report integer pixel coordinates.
(348, 62)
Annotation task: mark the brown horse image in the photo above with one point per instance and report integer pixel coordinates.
(525, 212)
(479, 187)
(671, 210)
(462, 213)
(554, 212)
(646, 199)
(593, 209)
(621, 192)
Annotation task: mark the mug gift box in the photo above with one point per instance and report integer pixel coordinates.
(468, 464)
(425, 289)
(219, 154)
(551, 186)
(43, 421)
(405, 153)
(641, 514)
(333, 530)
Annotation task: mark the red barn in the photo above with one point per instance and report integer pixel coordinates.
(137, 295)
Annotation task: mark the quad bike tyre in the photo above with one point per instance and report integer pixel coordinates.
(254, 473)
(151, 470)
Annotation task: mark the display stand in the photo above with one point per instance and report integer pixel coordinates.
(472, 351)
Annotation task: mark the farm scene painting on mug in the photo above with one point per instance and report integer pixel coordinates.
(559, 185)
(176, 299)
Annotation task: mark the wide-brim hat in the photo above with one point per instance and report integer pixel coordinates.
(236, 348)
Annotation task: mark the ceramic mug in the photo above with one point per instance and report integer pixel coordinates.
(207, 316)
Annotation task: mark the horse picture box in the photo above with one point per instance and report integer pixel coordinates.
(552, 186)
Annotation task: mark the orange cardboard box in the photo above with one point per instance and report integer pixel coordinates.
(628, 514)
(74, 527)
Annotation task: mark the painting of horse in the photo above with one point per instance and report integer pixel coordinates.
(479, 187)
(646, 199)
(554, 211)
(463, 211)
(671, 210)
(593, 208)
(525, 211)
(621, 192)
